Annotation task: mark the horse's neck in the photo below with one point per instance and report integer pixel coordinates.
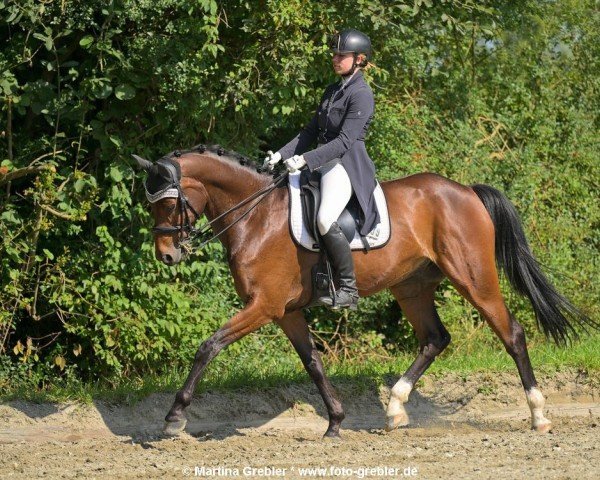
(226, 182)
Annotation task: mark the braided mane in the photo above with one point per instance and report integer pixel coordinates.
(221, 152)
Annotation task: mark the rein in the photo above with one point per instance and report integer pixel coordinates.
(194, 233)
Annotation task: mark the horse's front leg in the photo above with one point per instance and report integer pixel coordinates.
(295, 327)
(255, 315)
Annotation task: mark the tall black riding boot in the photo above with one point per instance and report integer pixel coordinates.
(340, 256)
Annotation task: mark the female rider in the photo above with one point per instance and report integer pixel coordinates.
(338, 128)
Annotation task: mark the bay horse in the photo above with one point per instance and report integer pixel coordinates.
(440, 229)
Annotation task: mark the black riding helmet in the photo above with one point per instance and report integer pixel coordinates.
(351, 41)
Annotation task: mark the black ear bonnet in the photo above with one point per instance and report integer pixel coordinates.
(165, 173)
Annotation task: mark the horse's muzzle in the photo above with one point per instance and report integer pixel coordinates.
(171, 258)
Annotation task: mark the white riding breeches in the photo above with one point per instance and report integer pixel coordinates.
(336, 191)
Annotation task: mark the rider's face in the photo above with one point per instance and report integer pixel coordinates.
(342, 63)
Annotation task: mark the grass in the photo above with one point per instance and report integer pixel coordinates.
(478, 354)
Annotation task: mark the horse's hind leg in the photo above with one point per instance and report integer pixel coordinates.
(433, 339)
(472, 271)
(295, 327)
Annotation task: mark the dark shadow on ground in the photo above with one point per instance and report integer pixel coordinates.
(216, 415)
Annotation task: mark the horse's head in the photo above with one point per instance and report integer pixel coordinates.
(176, 201)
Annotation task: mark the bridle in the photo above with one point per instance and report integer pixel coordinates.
(174, 190)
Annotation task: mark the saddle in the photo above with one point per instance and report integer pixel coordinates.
(310, 196)
(305, 199)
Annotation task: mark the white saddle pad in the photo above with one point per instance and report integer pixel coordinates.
(376, 238)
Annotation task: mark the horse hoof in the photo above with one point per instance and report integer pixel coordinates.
(332, 437)
(173, 429)
(543, 427)
(400, 420)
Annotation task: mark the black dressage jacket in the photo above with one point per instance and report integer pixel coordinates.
(339, 127)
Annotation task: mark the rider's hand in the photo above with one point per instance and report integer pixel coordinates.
(271, 160)
(295, 163)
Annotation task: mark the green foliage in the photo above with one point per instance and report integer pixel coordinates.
(491, 92)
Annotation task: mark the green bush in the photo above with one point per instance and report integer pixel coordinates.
(486, 92)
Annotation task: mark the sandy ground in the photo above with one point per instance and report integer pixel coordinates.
(462, 427)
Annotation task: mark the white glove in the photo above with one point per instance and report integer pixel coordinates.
(295, 163)
(271, 160)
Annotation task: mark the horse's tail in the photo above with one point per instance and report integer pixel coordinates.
(553, 312)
